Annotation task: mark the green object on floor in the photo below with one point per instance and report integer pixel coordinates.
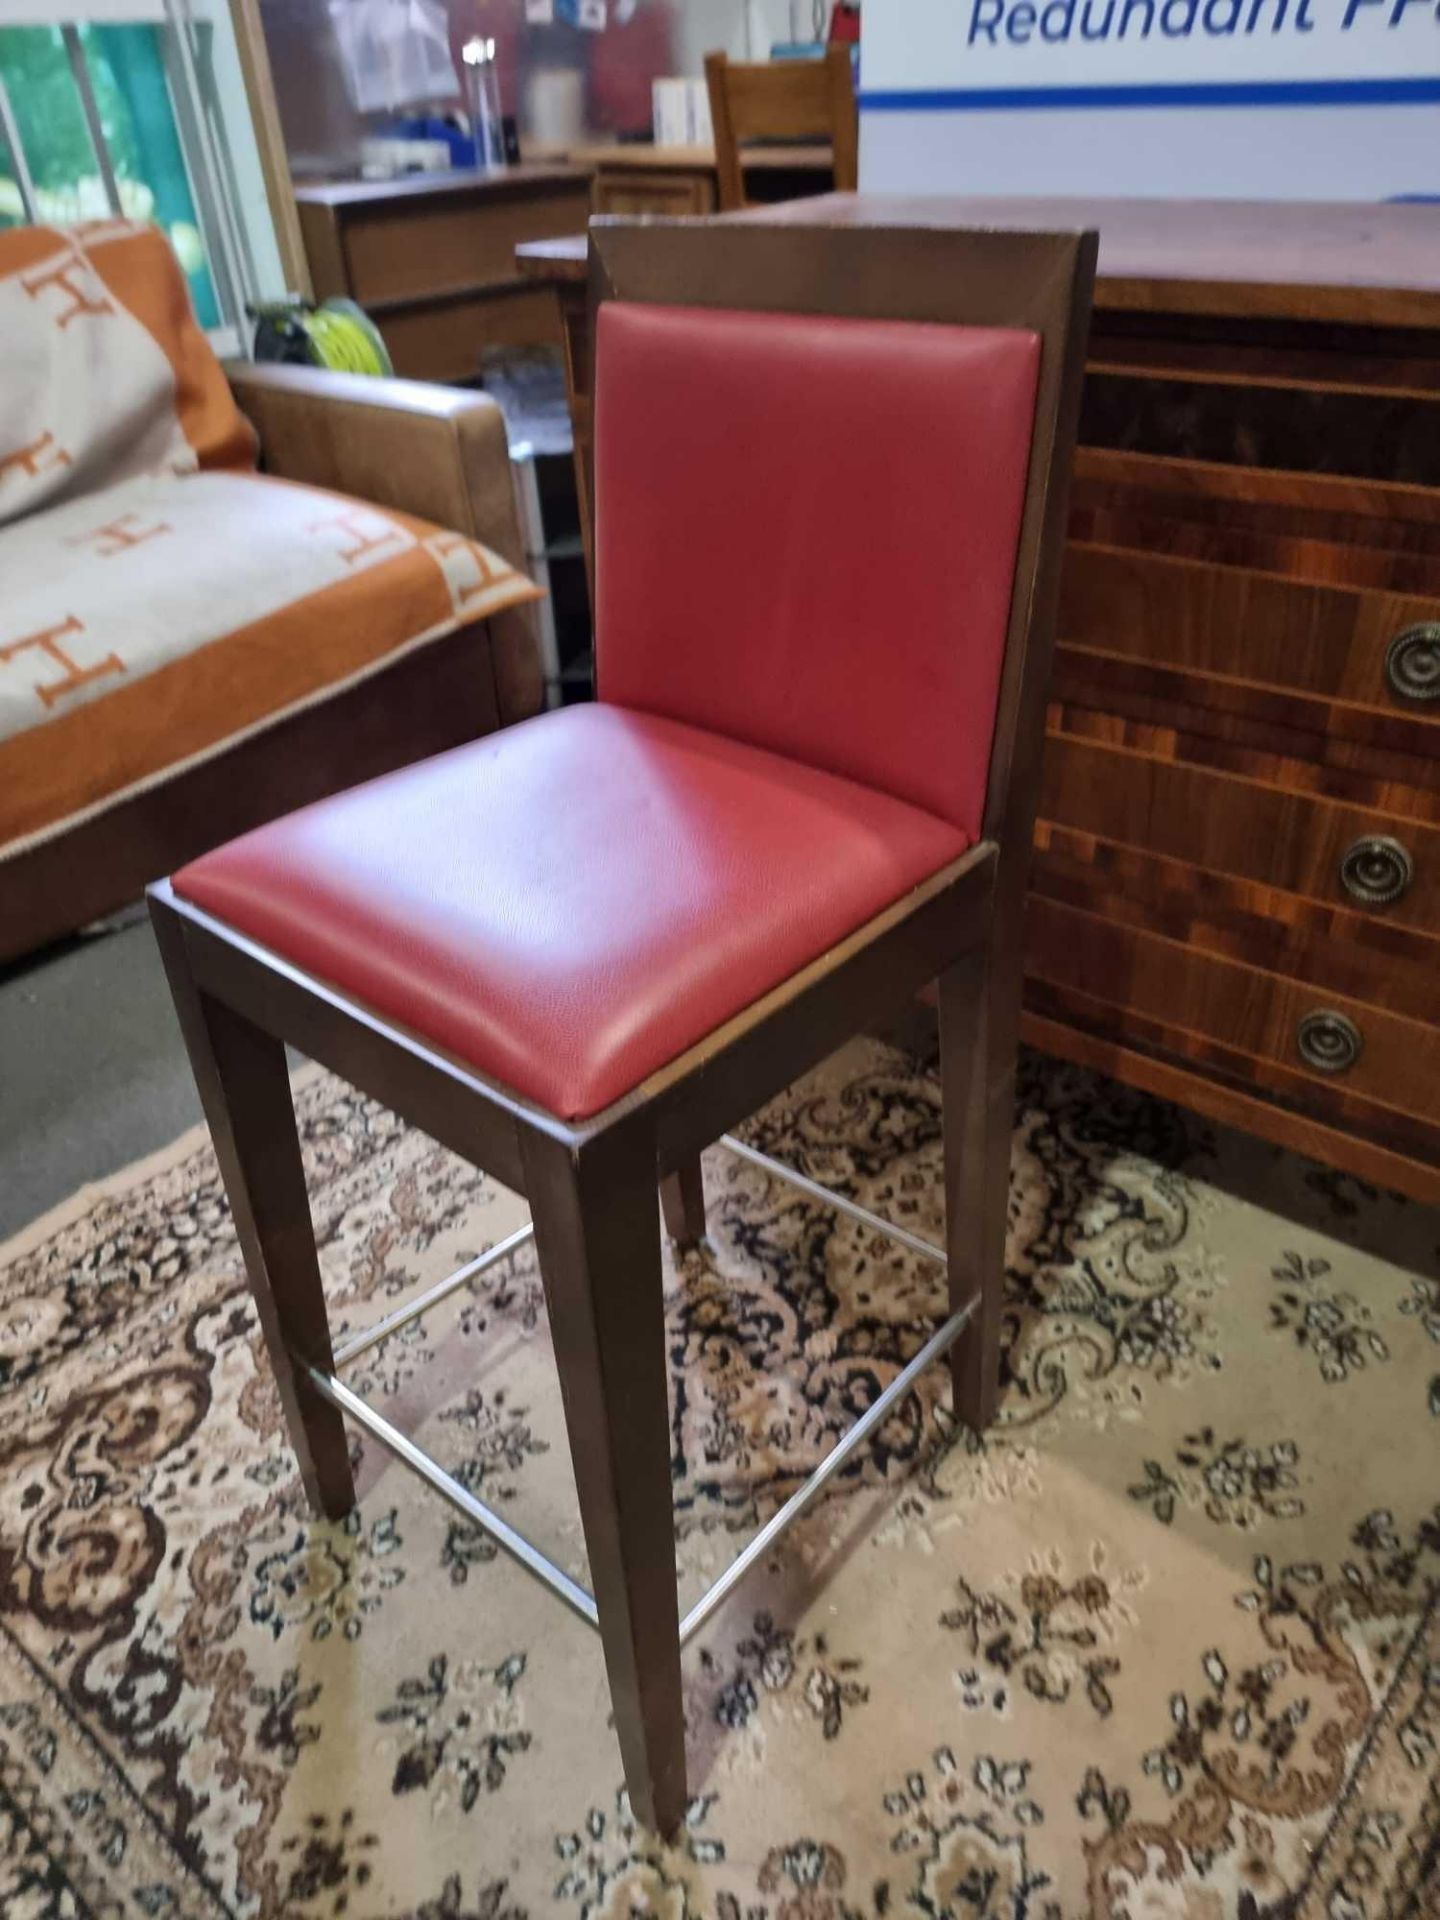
(337, 334)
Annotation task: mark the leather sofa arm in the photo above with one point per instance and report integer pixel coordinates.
(437, 452)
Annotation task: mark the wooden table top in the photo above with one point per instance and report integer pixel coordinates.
(503, 182)
(1341, 261)
(562, 259)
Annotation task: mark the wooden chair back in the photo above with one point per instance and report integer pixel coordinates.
(782, 100)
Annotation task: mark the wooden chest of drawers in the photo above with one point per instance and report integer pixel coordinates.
(1236, 891)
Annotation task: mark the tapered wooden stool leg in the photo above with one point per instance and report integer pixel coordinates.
(600, 1261)
(245, 1090)
(682, 1199)
(977, 1076)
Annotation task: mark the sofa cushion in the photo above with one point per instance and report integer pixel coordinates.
(107, 375)
(150, 624)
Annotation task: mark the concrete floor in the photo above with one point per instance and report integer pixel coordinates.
(93, 1073)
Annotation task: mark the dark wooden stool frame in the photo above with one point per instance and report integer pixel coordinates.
(591, 1184)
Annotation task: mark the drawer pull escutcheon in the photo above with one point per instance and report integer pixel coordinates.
(1376, 869)
(1412, 662)
(1328, 1041)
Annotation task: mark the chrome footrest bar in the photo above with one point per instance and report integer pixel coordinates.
(925, 1248)
(778, 1523)
(362, 1342)
(538, 1564)
(500, 1531)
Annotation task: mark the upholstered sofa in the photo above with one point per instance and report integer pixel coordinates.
(224, 592)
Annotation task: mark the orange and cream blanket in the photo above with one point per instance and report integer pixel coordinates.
(158, 597)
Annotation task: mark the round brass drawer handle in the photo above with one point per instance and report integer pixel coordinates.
(1328, 1041)
(1412, 662)
(1376, 869)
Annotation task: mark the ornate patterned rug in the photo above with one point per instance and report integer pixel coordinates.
(1164, 1647)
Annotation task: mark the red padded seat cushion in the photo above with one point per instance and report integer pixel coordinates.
(570, 903)
(806, 530)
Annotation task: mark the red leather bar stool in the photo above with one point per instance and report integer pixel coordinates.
(830, 478)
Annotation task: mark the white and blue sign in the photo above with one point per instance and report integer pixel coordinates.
(1259, 99)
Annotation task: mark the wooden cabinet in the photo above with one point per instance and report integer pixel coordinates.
(431, 258)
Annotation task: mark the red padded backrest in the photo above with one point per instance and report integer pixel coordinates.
(806, 532)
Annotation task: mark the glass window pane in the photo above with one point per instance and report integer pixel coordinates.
(126, 69)
(127, 72)
(12, 207)
(51, 124)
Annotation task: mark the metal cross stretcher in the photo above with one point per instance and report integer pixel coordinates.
(330, 1387)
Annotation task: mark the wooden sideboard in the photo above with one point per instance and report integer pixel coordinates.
(431, 258)
(1235, 901)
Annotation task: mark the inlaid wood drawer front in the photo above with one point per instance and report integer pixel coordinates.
(1351, 774)
(1334, 1043)
(1145, 524)
(1310, 527)
(1315, 506)
(1378, 650)
(1385, 361)
(1348, 856)
(1361, 955)
(1388, 744)
(1372, 433)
